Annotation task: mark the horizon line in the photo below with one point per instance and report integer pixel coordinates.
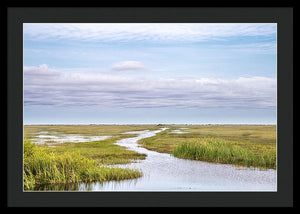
(151, 124)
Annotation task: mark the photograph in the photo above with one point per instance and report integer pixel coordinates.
(149, 107)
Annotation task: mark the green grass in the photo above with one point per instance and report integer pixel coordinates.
(104, 152)
(224, 151)
(42, 166)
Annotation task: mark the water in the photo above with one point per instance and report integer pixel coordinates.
(51, 139)
(163, 172)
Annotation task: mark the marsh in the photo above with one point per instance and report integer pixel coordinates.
(160, 169)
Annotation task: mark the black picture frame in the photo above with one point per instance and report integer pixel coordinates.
(16, 16)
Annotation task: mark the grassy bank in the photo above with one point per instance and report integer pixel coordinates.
(244, 145)
(42, 166)
(69, 162)
(224, 151)
(104, 152)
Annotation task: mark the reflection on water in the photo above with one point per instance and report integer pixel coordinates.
(89, 186)
(164, 172)
(57, 187)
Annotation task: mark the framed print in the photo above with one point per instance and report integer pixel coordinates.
(150, 106)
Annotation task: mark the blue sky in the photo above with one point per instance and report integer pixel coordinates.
(150, 73)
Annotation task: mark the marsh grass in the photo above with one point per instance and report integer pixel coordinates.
(224, 151)
(78, 162)
(42, 166)
(104, 152)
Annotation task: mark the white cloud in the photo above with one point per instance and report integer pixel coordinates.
(128, 65)
(40, 73)
(82, 89)
(146, 31)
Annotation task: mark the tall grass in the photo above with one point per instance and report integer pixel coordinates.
(44, 167)
(224, 151)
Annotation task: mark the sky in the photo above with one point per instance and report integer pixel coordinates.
(149, 73)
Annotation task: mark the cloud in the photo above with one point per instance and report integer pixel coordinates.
(145, 31)
(41, 71)
(128, 65)
(46, 86)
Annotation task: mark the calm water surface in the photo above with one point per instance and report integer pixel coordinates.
(163, 172)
